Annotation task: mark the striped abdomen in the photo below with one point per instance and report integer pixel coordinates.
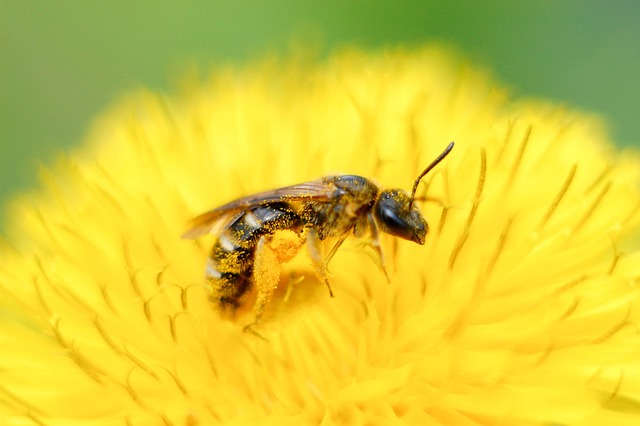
(230, 263)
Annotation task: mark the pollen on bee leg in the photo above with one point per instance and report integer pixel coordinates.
(271, 252)
(285, 244)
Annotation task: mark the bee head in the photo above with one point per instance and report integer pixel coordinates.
(398, 217)
(396, 213)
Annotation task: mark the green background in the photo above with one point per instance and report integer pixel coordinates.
(62, 62)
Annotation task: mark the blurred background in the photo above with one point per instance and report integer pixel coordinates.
(63, 62)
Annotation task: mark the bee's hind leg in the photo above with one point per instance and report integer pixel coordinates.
(266, 276)
(271, 252)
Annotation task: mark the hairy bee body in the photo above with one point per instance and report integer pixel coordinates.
(330, 208)
(230, 264)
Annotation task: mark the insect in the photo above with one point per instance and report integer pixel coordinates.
(250, 243)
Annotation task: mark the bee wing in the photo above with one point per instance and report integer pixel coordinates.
(209, 222)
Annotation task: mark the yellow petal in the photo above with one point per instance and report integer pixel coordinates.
(521, 307)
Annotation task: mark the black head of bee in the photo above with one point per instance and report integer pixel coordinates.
(397, 216)
(396, 212)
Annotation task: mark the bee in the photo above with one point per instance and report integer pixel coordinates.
(254, 233)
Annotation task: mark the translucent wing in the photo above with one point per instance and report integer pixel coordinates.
(317, 190)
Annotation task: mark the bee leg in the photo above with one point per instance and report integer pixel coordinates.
(249, 329)
(334, 249)
(271, 252)
(266, 276)
(375, 244)
(294, 280)
(313, 244)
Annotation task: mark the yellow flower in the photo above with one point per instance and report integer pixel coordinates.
(521, 308)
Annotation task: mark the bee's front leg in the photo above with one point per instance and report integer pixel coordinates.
(375, 244)
(315, 252)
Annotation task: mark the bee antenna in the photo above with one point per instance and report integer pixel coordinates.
(434, 163)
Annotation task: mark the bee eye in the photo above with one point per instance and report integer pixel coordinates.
(392, 222)
(396, 218)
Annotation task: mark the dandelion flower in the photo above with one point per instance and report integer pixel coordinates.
(521, 307)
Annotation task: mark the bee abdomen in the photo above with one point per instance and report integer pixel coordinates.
(230, 265)
(228, 287)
